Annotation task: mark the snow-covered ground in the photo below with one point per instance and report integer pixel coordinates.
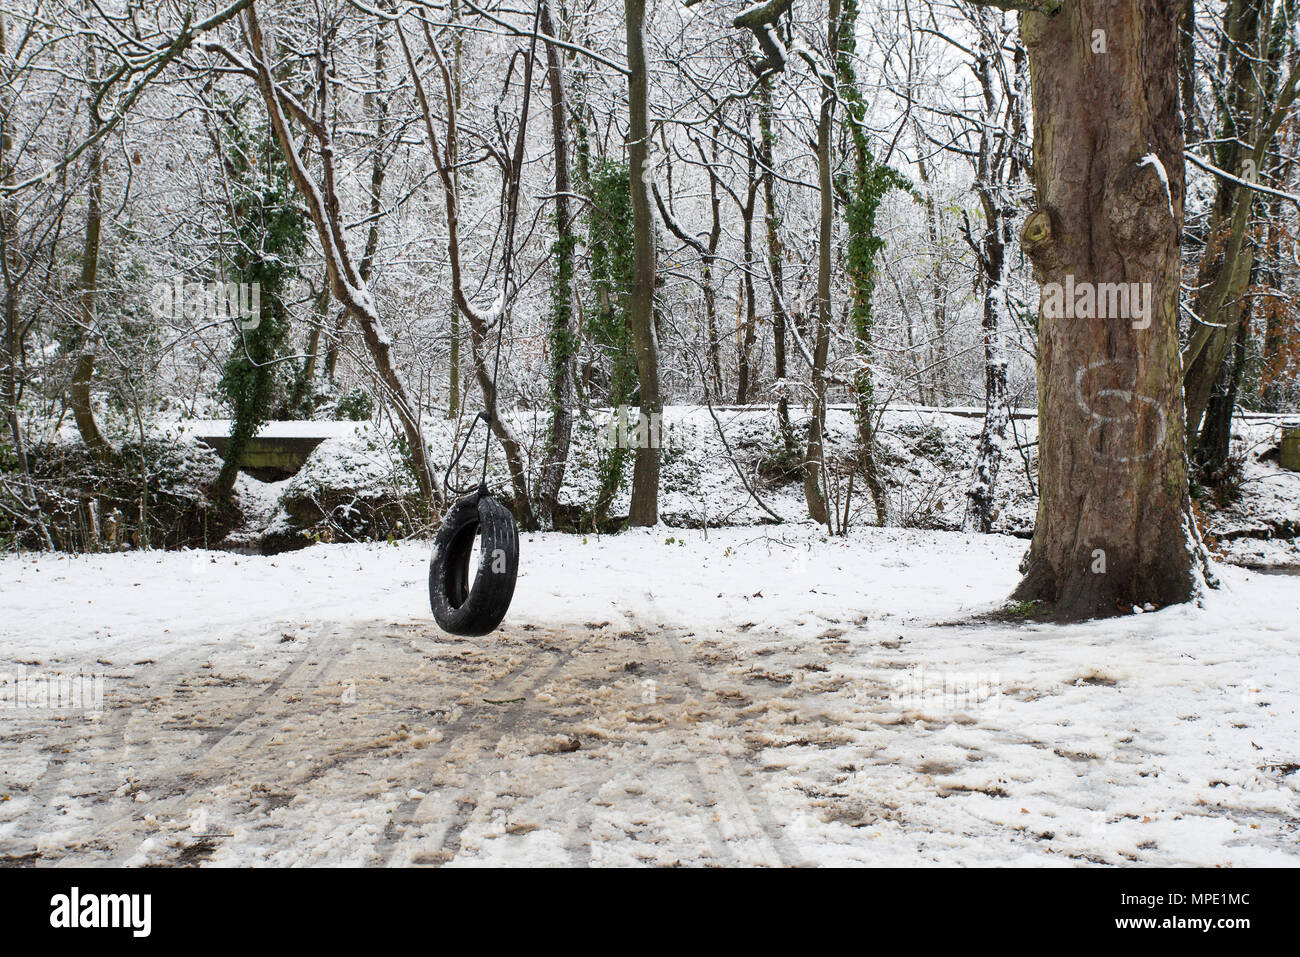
(746, 695)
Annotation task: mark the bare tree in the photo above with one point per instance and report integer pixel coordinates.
(998, 129)
(480, 320)
(347, 283)
(1255, 104)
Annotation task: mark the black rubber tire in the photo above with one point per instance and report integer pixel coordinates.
(457, 608)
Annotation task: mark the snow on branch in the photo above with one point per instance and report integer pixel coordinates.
(761, 20)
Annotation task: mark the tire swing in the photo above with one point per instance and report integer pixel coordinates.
(459, 607)
(475, 606)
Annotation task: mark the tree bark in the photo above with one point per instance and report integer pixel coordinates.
(83, 369)
(997, 170)
(564, 301)
(645, 471)
(772, 228)
(453, 358)
(1187, 66)
(815, 451)
(1113, 528)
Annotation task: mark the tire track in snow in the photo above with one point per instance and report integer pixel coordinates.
(73, 748)
(737, 825)
(747, 827)
(394, 841)
(113, 733)
(215, 762)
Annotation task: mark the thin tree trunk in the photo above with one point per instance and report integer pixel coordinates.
(304, 391)
(1261, 104)
(645, 471)
(772, 228)
(83, 370)
(748, 377)
(988, 451)
(335, 343)
(708, 260)
(993, 180)
(1216, 433)
(11, 384)
(937, 359)
(453, 360)
(376, 104)
(863, 196)
(814, 453)
(1276, 311)
(564, 301)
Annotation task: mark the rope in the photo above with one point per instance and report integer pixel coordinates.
(512, 216)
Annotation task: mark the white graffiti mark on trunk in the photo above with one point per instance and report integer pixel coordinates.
(1130, 417)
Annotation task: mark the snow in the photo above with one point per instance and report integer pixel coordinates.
(778, 56)
(1258, 530)
(1152, 160)
(740, 695)
(298, 429)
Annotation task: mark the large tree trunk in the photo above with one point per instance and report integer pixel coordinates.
(1113, 528)
(564, 302)
(645, 471)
